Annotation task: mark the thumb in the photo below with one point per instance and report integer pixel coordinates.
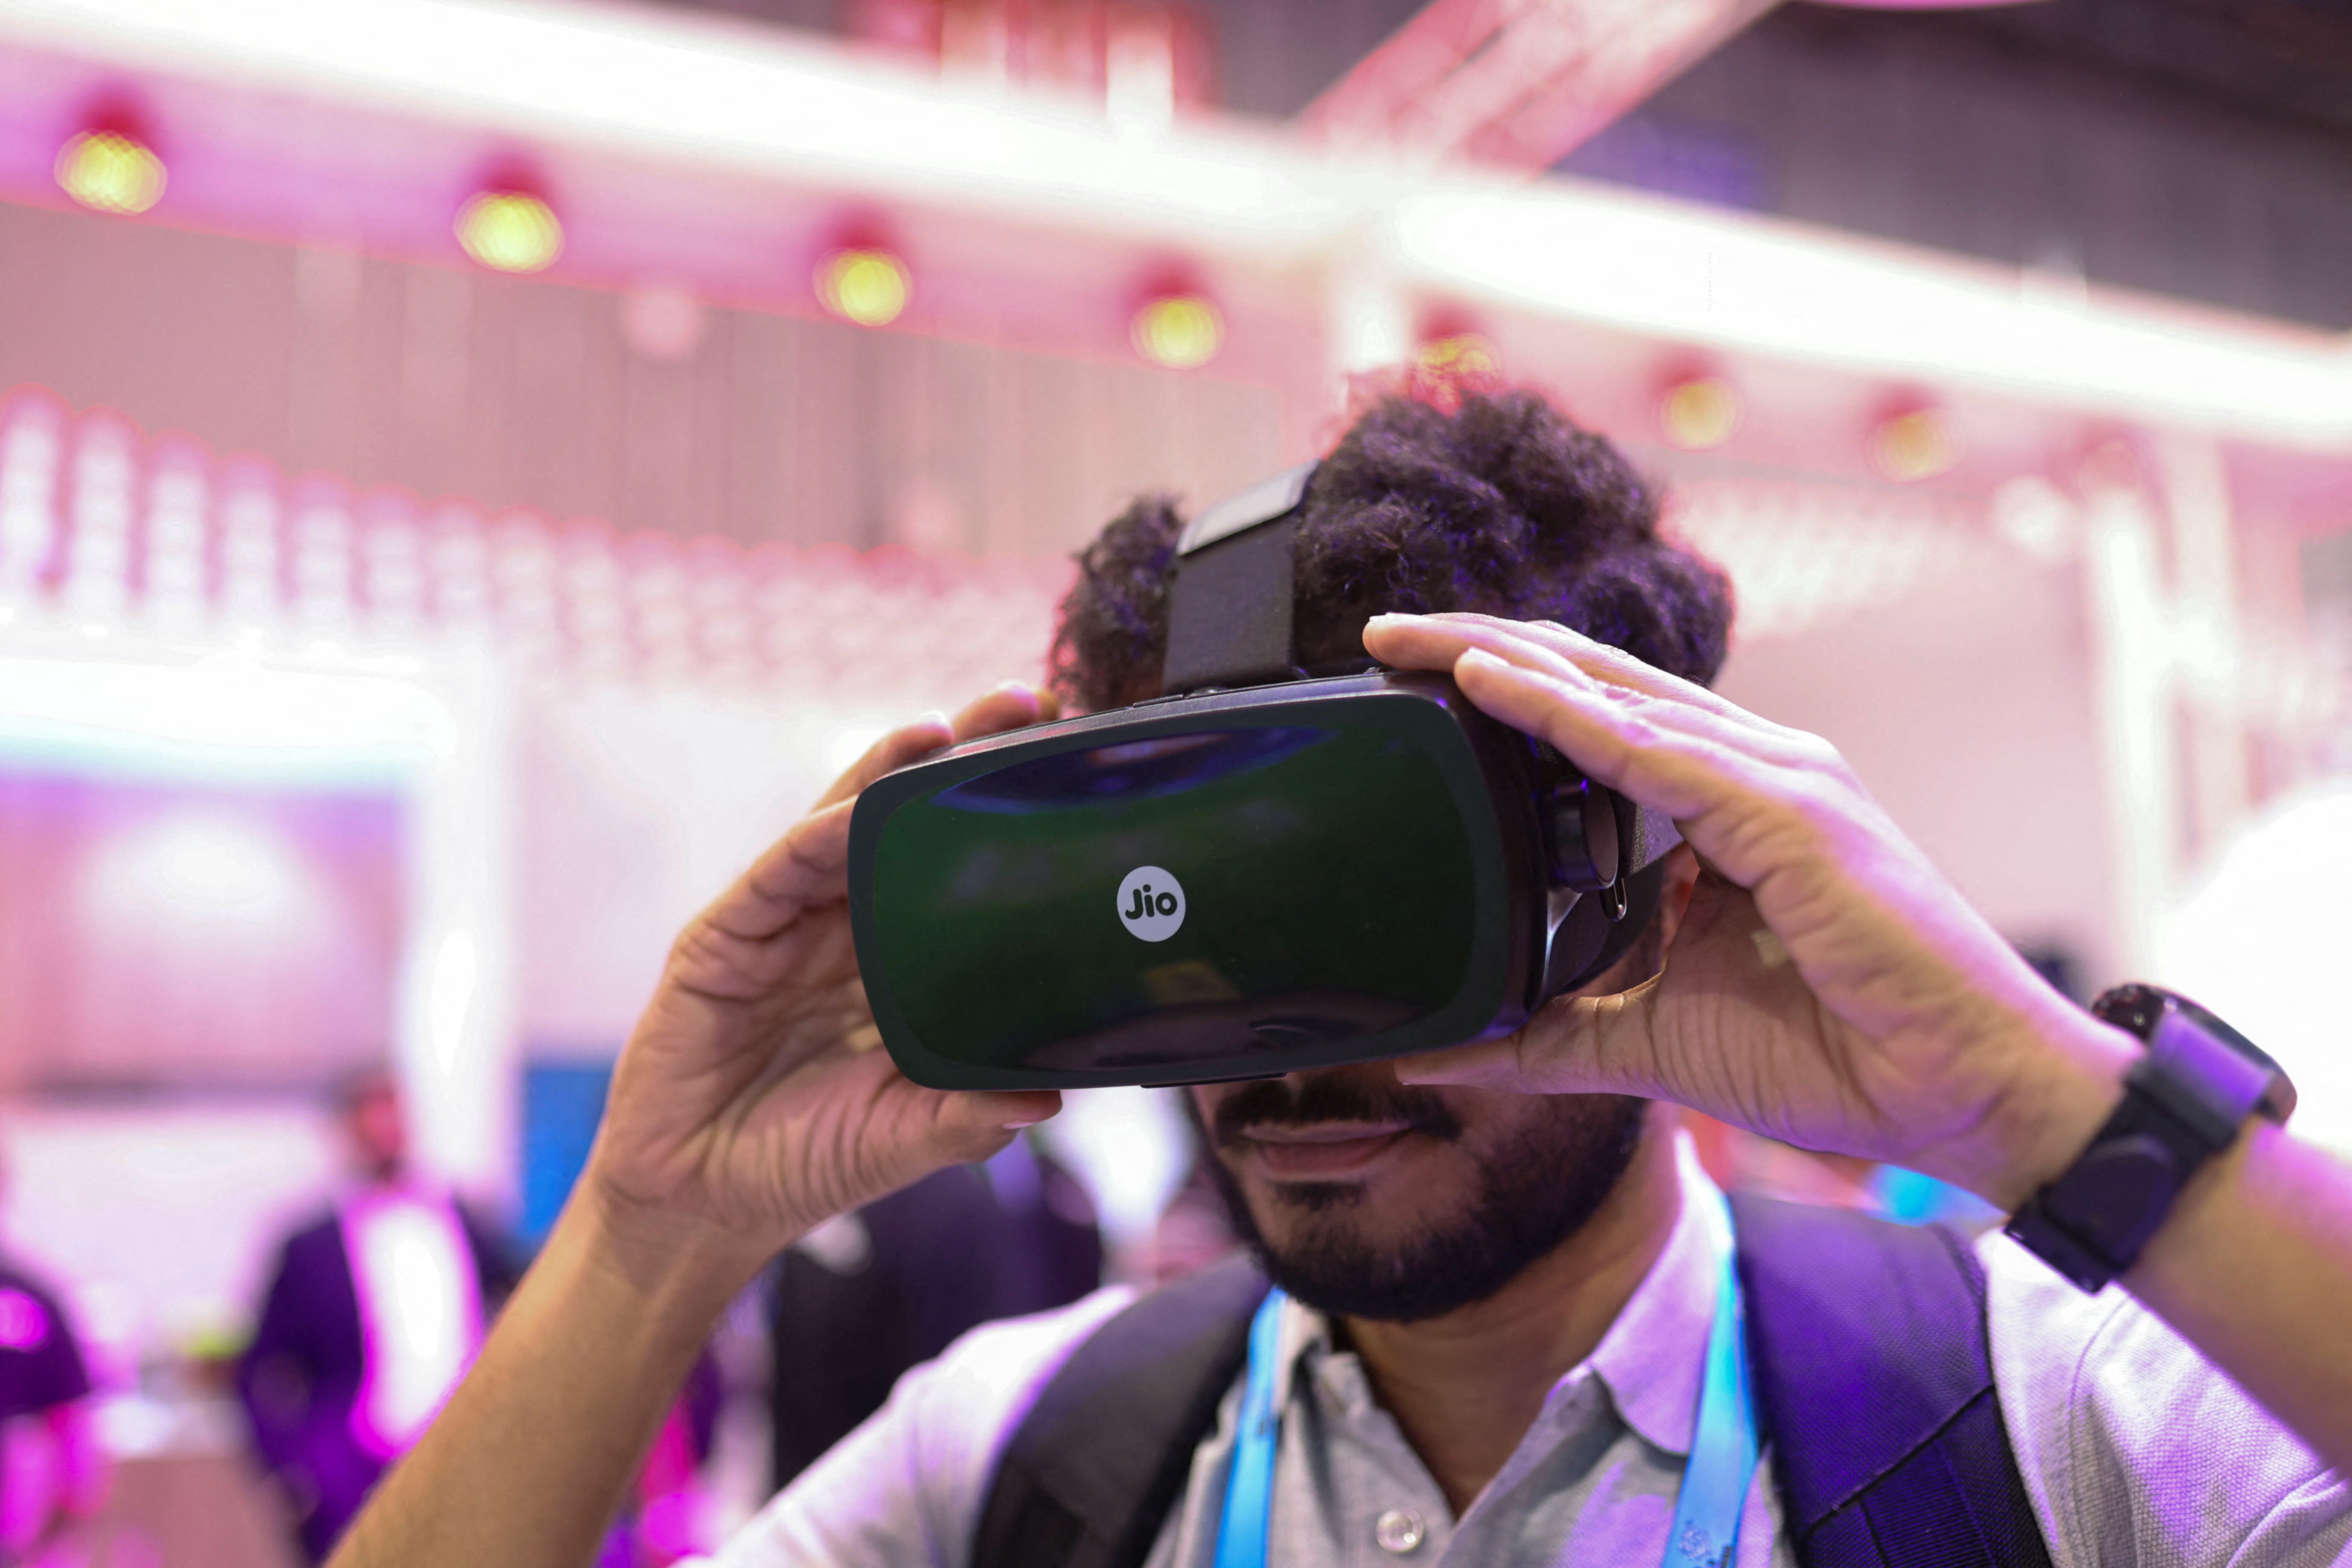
(975, 1123)
(1577, 1045)
(1491, 1064)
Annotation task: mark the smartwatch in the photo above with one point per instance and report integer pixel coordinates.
(2183, 1104)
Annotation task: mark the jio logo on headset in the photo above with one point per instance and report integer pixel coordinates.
(1151, 903)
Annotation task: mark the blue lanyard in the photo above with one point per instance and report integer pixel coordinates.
(1249, 1490)
(1722, 1436)
(1706, 1506)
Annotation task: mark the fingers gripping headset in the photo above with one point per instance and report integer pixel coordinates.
(1255, 872)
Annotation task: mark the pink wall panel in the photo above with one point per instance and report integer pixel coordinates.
(526, 392)
(183, 933)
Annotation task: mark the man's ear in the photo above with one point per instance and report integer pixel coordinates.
(1674, 898)
(1648, 954)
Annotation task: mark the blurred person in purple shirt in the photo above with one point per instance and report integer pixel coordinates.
(863, 1299)
(373, 1312)
(54, 1473)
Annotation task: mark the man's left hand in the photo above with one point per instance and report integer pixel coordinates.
(1827, 986)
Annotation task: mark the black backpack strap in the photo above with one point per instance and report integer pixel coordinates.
(1874, 1384)
(1091, 1472)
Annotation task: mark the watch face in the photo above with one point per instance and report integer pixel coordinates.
(2168, 1019)
(2132, 1008)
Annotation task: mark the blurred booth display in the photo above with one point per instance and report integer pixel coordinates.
(562, 1101)
(164, 932)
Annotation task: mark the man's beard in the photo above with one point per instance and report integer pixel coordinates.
(1535, 1192)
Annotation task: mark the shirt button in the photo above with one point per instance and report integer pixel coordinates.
(1399, 1530)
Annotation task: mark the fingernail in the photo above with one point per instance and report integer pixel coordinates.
(933, 715)
(1479, 656)
(1390, 617)
(1018, 1122)
(1020, 687)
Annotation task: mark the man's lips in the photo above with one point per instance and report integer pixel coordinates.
(1321, 1151)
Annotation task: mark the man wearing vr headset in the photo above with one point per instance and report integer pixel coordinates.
(1509, 1322)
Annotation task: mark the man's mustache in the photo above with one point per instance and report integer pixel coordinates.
(1302, 1100)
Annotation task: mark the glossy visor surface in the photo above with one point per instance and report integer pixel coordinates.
(1187, 895)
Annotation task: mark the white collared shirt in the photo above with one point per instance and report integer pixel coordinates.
(420, 1304)
(2134, 1449)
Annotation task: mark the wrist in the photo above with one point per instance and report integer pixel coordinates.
(2185, 1101)
(671, 1262)
(2070, 1081)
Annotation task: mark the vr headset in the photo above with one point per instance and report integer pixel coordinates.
(1260, 871)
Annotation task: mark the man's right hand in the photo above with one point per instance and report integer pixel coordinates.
(753, 1101)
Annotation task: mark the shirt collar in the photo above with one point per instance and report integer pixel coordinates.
(1652, 1356)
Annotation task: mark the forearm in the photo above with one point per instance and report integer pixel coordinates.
(526, 1464)
(2252, 1265)
(2254, 1268)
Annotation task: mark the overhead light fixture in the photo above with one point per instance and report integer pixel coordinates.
(1916, 443)
(1454, 361)
(1181, 331)
(510, 230)
(1460, 353)
(1699, 412)
(864, 284)
(110, 171)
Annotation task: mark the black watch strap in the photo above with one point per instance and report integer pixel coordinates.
(2183, 1104)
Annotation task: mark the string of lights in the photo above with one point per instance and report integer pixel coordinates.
(105, 530)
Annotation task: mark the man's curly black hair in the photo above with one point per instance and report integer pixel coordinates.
(1502, 507)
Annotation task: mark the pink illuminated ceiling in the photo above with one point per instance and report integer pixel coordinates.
(722, 161)
(726, 158)
(360, 171)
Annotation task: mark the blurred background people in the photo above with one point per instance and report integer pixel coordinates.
(374, 1312)
(668, 1516)
(870, 1294)
(52, 1471)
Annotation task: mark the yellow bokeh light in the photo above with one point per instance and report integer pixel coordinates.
(509, 231)
(1461, 354)
(1700, 412)
(1918, 444)
(111, 173)
(1181, 331)
(865, 286)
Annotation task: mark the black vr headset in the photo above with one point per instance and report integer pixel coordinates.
(1259, 871)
